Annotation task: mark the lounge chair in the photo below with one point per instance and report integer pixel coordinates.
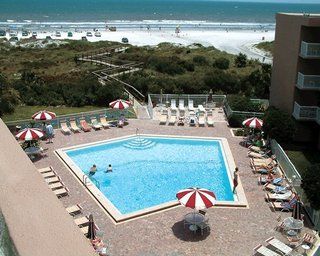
(173, 105)
(201, 120)
(172, 119)
(210, 121)
(61, 192)
(56, 185)
(74, 209)
(53, 179)
(275, 181)
(275, 189)
(279, 197)
(48, 174)
(262, 162)
(104, 122)
(192, 121)
(84, 126)
(64, 128)
(201, 108)
(255, 149)
(74, 127)
(280, 246)
(163, 119)
(181, 105)
(95, 124)
(82, 221)
(190, 105)
(284, 206)
(264, 251)
(257, 155)
(45, 169)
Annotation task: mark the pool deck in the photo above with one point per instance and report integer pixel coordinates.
(234, 231)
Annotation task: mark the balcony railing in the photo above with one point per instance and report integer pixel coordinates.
(308, 82)
(310, 50)
(306, 113)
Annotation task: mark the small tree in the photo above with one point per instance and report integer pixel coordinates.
(278, 125)
(221, 63)
(311, 185)
(241, 60)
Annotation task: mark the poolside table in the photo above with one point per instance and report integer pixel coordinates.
(33, 151)
(195, 219)
(293, 224)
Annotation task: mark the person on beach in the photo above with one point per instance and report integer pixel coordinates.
(109, 169)
(235, 179)
(93, 170)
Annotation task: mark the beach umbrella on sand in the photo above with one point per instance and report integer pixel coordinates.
(91, 228)
(120, 104)
(44, 115)
(253, 122)
(29, 134)
(196, 198)
(296, 213)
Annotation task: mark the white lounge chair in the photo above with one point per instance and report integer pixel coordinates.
(264, 251)
(95, 124)
(181, 105)
(201, 108)
(64, 128)
(201, 120)
(45, 169)
(190, 105)
(173, 105)
(172, 119)
(104, 122)
(280, 246)
(163, 118)
(210, 121)
(74, 127)
(74, 209)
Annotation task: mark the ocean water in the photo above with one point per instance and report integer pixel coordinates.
(145, 10)
(149, 171)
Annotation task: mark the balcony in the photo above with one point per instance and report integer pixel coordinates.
(310, 50)
(306, 113)
(308, 82)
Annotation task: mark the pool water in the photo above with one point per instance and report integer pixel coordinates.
(148, 171)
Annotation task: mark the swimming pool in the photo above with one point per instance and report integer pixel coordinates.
(149, 170)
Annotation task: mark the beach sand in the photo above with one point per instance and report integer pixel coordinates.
(232, 41)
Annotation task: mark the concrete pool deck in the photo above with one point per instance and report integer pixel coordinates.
(234, 231)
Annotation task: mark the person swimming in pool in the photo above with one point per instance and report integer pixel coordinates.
(109, 169)
(93, 170)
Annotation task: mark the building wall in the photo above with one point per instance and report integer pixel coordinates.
(38, 223)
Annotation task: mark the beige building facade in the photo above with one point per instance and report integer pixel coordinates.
(295, 85)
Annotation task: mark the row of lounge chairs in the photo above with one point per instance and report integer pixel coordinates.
(193, 119)
(86, 127)
(182, 107)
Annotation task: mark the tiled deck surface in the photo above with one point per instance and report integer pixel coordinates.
(233, 231)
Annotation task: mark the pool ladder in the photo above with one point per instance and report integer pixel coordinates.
(86, 181)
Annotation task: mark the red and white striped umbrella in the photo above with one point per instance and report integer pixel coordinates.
(196, 198)
(120, 104)
(30, 134)
(253, 122)
(44, 115)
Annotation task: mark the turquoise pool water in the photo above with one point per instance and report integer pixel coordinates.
(148, 171)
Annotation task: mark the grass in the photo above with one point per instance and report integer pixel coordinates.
(303, 159)
(266, 46)
(25, 112)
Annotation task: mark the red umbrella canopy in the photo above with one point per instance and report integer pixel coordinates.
(120, 104)
(44, 115)
(29, 134)
(196, 198)
(253, 122)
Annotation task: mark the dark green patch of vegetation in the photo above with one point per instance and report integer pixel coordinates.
(266, 46)
(311, 185)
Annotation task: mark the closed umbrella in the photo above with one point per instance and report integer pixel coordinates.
(91, 228)
(29, 134)
(120, 104)
(44, 115)
(253, 122)
(296, 213)
(196, 198)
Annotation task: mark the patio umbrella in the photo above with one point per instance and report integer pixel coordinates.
(296, 213)
(29, 134)
(253, 122)
(120, 104)
(91, 228)
(196, 198)
(210, 97)
(44, 115)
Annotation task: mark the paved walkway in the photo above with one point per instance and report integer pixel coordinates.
(233, 231)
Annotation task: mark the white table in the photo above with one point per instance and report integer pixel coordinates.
(194, 219)
(305, 247)
(292, 223)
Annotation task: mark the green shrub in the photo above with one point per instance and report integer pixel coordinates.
(221, 63)
(241, 60)
(278, 125)
(200, 60)
(311, 185)
(242, 103)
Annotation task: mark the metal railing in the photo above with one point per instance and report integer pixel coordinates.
(110, 113)
(294, 178)
(310, 82)
(310, 50)
(306, 113)
(241, 114)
